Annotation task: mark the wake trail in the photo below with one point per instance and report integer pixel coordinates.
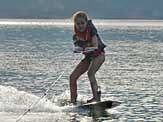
(13, 100)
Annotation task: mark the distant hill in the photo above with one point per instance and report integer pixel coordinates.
(106, 9)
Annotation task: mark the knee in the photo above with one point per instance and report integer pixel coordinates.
(72, 78)
(90, 74)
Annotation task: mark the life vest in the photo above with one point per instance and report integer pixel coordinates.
(86, 38)
(86, 35)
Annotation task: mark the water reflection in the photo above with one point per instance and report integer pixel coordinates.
(93, 115)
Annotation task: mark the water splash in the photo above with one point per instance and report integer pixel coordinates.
(12, 100)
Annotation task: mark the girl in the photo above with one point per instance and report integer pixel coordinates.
(87, 40)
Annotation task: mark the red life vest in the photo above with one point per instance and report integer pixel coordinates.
(86, 35)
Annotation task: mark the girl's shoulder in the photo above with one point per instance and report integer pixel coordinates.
(92, 28)
(90, 24)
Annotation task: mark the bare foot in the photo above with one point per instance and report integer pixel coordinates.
(98, 99)
(73, 102)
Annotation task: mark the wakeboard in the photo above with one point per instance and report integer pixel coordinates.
(103, 105)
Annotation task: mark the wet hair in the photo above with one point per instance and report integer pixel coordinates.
(79, 14)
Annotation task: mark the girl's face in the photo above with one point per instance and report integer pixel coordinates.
(81, 24)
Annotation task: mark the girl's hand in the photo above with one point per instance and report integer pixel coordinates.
(89, 49)
(78, 49)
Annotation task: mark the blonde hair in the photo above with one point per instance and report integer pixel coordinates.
(78, 14)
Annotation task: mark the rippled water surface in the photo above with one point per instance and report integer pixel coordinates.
(34, 55)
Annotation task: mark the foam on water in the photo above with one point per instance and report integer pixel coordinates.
(12, 100)
(14, 103)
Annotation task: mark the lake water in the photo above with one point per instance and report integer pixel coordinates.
(34, 53)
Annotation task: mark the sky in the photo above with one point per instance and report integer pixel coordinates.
(99, 9)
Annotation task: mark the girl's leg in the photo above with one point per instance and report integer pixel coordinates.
(93, 68)
(81, 68)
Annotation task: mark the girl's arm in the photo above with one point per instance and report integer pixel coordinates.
(95, 41)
